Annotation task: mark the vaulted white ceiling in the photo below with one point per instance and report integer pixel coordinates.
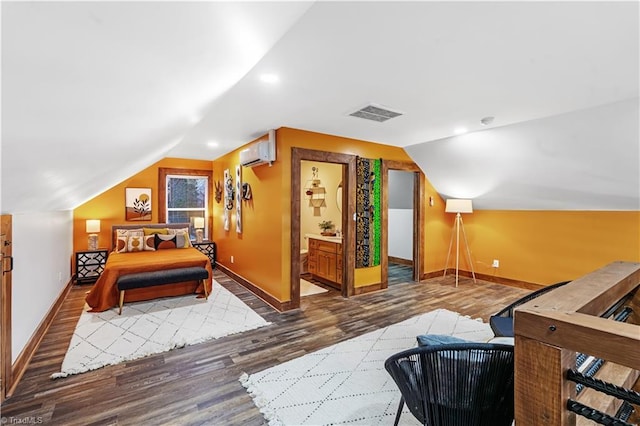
(93, 92)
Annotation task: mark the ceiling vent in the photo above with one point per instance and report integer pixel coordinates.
(375, 113)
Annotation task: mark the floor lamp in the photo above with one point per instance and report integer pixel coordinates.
(457, 207)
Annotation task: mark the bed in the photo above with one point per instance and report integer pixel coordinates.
(122, 261)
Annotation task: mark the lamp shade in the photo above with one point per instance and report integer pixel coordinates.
(93, 225)
(459, 206)
(198, 222)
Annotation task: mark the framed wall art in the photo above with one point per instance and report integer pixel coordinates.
(228, 199)
(238, 200)
(137, 204)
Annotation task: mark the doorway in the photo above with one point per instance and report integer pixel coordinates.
(320, 217)
(415, 197)
(5, 307)
(347, 225)
(400, 227)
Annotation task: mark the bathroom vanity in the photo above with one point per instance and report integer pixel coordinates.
(325, 259)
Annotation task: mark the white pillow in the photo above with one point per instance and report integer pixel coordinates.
(149, 242)
(135, 243)
(122, 238)
(178, 231)
(121, 244)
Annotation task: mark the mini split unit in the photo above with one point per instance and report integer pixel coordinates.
(262, 151)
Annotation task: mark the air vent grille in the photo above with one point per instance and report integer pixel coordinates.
(375, 113)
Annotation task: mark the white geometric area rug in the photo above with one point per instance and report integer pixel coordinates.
(155, 326)
(347, 384)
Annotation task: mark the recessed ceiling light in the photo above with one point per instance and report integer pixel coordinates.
(460, 130)
(213, 144)
(269, 78)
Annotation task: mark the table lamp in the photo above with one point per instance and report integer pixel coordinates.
(93, 227)
(198, 223)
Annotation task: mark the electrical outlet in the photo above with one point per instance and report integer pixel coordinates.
(59, 277)
(231, 259)
(496, 263)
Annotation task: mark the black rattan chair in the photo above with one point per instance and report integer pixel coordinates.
(465, 384)
(502, 322)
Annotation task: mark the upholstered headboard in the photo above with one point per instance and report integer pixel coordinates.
(144, 225)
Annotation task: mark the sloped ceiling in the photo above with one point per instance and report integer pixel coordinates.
(582, 160)
(94, 92)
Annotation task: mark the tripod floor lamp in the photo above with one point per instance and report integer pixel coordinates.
(457, 207)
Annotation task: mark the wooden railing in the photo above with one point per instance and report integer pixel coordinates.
(552, 328)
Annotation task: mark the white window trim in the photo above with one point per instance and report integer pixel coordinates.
(204, 209)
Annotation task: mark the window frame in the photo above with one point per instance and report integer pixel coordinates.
(164, 172)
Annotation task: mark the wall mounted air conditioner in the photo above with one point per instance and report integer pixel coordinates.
(260, 152)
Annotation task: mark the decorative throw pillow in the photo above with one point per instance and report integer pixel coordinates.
(121, 244)
(177, 231)
(438, 339)
(173, 231)
(135, 243)
(122, 238)
(149, 242)
(152, 231)
(165, 241)
(121, 232)
(182, 240)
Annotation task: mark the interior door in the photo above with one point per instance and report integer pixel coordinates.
(5, 306)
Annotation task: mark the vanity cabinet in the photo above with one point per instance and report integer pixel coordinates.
(325, 261)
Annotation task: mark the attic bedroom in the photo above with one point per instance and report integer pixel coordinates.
(528, 111)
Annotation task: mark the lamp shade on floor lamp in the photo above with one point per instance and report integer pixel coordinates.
(459, 206)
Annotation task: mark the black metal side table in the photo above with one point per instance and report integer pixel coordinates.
(90, 264)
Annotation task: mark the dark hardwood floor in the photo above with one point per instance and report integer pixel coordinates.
(198, 385)
(399, 273)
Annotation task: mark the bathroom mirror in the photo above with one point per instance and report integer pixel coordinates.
(339, 197)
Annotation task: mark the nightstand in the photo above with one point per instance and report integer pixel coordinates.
(208, 248)
(90, 264)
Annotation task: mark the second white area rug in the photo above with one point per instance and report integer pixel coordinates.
(151, 327)
(346, 383)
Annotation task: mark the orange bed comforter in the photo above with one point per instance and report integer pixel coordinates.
(104, 294)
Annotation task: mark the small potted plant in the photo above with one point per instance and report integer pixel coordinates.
(326, 226)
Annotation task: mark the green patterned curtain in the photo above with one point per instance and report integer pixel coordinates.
(368, 212)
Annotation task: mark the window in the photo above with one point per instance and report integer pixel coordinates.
(186, 199)
(184, 196)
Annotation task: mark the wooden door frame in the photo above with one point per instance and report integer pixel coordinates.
(419, 207)
(6, 374)
(348, 163)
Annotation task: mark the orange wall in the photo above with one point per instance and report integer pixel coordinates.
(437, 233)
(109, 206)
(533, 246)
(549, 246)
(257, 250)
(262, 252)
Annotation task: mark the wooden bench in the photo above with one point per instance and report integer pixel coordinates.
(168, 276)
